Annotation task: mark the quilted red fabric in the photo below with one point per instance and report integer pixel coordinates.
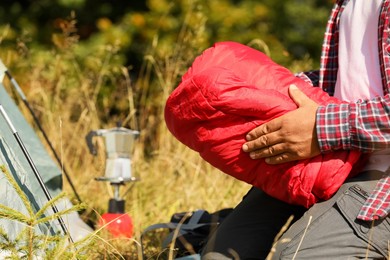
(229, 90)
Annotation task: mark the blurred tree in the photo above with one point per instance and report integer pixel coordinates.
(299, 25)
(146, 35)
(42, 14)
(295, 26)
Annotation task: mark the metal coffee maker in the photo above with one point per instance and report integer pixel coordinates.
(119, 144)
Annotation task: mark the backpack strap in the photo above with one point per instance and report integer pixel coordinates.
(195, 217)
(180, 228)
(183, 228)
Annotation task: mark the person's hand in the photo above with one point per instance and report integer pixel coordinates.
(289, 137)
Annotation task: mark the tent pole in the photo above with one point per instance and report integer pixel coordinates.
(36, 120)
(34, 169)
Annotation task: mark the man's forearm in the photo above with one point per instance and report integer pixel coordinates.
(363, 126)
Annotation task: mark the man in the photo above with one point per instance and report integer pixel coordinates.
(354, 223)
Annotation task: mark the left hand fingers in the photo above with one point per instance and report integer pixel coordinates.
(268, 151)
(266, 128)
(280, 158)
(261, 142)
(274, 154)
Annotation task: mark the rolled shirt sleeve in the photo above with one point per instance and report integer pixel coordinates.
(363, 126)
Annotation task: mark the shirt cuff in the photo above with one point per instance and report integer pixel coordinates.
(333, 128)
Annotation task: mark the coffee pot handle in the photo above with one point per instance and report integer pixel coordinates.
(91, 146)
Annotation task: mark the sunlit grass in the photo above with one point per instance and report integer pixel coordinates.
(73, 94)
(76, 87)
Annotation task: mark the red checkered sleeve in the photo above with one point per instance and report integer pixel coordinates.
(311, 77)
(363, 126)
(377, 205)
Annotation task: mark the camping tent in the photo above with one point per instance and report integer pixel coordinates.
(13, 158)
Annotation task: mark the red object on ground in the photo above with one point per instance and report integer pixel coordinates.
(118, 224)
(229, 90)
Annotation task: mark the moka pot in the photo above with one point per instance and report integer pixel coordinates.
(119, 144)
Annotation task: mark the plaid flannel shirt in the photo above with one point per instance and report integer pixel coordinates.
(364, 125)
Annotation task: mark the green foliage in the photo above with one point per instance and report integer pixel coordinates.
(124, 51)
(289, 27)
(133, 54)
(29, 243)
(91, 63)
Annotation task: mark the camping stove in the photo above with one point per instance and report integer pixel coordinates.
(119, 143)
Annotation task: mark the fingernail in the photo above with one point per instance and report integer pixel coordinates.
(267, 160)
(245, 147)
(293, 87)
(248, 137)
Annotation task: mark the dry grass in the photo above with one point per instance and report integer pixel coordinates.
(66, 94)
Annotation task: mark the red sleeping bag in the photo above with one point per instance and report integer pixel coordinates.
(229, 90)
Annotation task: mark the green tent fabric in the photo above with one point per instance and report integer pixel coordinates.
(12, 157)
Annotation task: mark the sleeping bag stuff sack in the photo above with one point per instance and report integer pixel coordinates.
(229, 90)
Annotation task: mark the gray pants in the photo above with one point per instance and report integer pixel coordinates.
(328, 230)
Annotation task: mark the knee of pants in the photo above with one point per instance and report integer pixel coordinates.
(331, 229)
(215, 256)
